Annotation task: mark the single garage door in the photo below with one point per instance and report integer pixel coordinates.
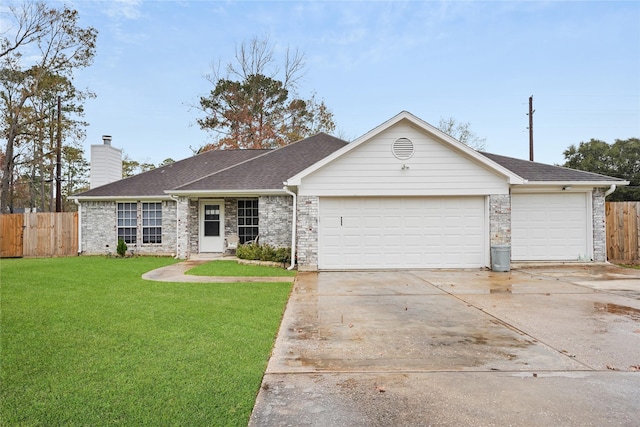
(549, 227)
(399, 232)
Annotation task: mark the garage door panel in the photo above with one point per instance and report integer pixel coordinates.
(402, 233)
(549, 227)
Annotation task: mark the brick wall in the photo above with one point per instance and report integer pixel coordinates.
(500, 219)
(183, 237)
(275, 216)
(307, 227)
(193, 227)
(599, 225)
(100, 233)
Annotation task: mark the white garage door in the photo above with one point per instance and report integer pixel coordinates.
(377, 233)
(549, 227)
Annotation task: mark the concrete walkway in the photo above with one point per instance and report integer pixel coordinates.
(176, 273)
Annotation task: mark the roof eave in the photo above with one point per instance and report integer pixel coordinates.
(227, 193)
(109, 198)
(577, 183)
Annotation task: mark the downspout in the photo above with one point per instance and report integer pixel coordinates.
(610, 190)
(79, 226)
(293, 227)
(177, 222)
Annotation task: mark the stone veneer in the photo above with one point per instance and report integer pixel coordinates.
(183, 243)
(599, 225)
(307, 229)
(500, 219)
(275, 216)
(193, 227)
(100, 233)
(99, 228)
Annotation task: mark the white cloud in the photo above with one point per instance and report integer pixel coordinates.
(128, 9)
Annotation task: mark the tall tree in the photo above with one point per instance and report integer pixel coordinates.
(620, 159)
(254, 103)
(43, 42)
(132, 167)
(462, 132)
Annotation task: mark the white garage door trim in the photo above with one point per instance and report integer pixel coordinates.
(359, 233)
(551, 227)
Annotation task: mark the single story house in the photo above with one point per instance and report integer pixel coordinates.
(404, 195)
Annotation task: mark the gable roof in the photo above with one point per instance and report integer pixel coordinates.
(268, 171)
(456, 145)
(535, 172)
(223, 170)
(516, 171)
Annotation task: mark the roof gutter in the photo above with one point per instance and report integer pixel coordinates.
(576, 183)
(610, 190)
(293, 227)
(119, 198)
(225, 193)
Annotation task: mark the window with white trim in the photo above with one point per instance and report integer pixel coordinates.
(152, 222)
(247, 220)
(128, 222)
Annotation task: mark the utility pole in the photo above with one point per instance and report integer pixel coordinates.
(59, 164)
(531, 111)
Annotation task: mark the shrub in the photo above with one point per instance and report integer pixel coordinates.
(248, 251)
(264, 253)
(122, 248)
(283, 255)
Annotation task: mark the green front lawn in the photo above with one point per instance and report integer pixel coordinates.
(86, 341)
(233, 268)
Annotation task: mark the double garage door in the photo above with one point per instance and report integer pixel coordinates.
(402, 232)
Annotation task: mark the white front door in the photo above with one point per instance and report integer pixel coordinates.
(211, 226)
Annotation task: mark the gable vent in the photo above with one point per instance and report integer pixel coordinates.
(402, 148)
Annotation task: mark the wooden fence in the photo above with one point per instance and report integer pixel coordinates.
(39, 234)
(623, 224)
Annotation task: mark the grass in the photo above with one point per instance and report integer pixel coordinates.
(233, 268)
(86, 341)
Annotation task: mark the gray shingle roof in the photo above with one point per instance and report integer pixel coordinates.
(156, 181)
(269, 171)
(225, 170)
(533, 171)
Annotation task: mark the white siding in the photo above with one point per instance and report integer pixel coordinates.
(402, 232)
(372, 170)
(550, 227)
(106, 165)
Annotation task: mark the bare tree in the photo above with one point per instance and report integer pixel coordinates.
(257, 56)
(462, 132)
(29, 21)
(254, 103)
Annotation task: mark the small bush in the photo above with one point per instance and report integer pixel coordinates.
(283, 255)
(122, 248)
(264, 253)
(249, 251)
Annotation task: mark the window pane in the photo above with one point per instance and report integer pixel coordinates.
(212, 228)
(247, 220)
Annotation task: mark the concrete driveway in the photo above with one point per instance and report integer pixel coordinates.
(543, 346)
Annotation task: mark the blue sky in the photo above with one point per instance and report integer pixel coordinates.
(475, 61)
